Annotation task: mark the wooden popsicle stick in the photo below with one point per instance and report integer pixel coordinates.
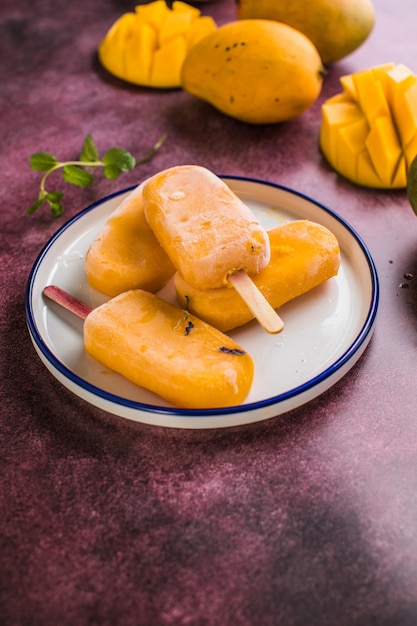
(66, 300)
(256, 301)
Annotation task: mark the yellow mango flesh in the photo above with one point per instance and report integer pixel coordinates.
(382, 139)
(257, 71)
(126, 255)
(334, 117)
(148, 47)
(350, 138)
(368, 132)
(370, 96)
(166, 350)
(303, 255)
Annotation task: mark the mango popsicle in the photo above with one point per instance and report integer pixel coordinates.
(303, 255)
(203, 226)
(126, 255)
(163, 348)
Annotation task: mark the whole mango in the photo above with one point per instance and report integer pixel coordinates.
(257, 71)
(336, 27)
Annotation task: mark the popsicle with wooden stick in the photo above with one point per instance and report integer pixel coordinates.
(163, 348)
(304, 254)
(210, 235)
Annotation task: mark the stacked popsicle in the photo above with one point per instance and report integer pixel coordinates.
(210, 235)
(228, 270)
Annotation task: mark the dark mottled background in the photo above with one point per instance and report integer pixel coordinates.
(307, 518)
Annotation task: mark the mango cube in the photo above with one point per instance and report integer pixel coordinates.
(382, 139)
(148, 47)
(334, 115)
(368, 131)
(370, 95)
(351, 140)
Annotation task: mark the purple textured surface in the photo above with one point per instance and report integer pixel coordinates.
(307, 518)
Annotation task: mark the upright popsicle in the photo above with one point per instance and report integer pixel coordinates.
(210, 235)
(164, 349)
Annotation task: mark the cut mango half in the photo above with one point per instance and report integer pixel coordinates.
(368, 131)
(148, 46)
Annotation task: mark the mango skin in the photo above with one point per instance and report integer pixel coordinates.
(336, 27)
(412, 185)
(257, 71)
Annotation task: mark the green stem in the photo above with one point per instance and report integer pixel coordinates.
(152, 151)
(62, 164)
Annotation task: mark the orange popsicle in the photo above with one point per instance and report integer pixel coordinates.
(210, 235)
(206, 230)
(126, 254)
(303, 255)
(163, 348)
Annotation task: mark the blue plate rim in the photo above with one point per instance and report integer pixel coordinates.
(342, 360)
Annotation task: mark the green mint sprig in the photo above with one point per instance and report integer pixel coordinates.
(114, 162)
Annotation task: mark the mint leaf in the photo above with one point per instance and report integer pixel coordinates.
(112, 171)
(42, 161)
(35, 206)
(89, 151)
(75, 175)
(54, 196)
(57, 208)
(114, 163)
(120, 158)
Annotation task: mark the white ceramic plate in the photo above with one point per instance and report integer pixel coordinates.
(326, 330)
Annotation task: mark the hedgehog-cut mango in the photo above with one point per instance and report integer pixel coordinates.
(368, 131)
(147, 47)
